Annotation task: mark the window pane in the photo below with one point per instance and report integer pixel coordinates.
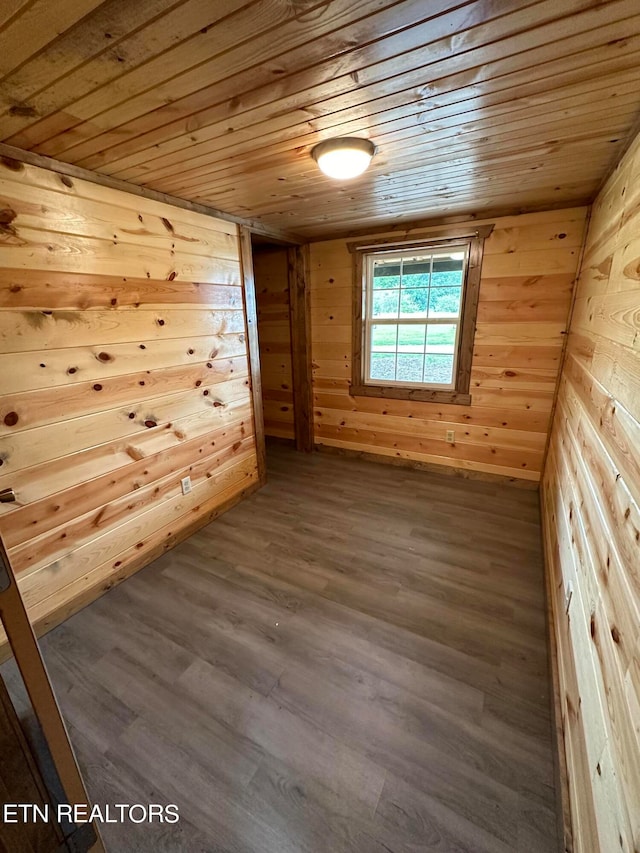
(409, 368)
(447, 270)
(444, 301)
(385, 303)
(441, 337)
(383, 366)
(417, 280)
(438, 368)
(386, 282)
(413, 303)
(384, 338)
(386, 274)
(411, 338)
(416, 271)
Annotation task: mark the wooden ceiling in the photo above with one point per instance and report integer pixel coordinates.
(474, 106)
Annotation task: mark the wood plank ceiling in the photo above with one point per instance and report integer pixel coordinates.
(474, 106)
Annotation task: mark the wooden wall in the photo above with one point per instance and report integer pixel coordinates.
(591, 516)
(274, 331)
(123, 368)
(527, 277)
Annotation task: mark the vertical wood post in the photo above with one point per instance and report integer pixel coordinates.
(300, 320)
(36, 680)
(251, 324)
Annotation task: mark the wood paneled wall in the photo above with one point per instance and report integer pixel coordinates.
(123, 368)
(528, 272)
(591, 516)
(274, 330)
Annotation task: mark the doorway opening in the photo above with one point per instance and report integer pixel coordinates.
(282, 299)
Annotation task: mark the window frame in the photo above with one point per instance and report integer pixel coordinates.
(458, 393)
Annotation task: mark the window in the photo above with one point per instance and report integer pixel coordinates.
(415, 306)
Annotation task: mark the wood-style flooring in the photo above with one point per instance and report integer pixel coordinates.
(353, 660)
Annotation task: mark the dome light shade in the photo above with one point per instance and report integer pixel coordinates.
(343, 158)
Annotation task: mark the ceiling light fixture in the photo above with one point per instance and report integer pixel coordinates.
(343, 158)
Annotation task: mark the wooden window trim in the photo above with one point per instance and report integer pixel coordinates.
(460, 394)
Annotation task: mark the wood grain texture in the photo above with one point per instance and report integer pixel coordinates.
(351, 660)
(591, 515)
(474, 107)
(525, 292)
(253, 347)
(300, 319)
(124, 356)
(56, 759)
(274, 332)
(20, 782)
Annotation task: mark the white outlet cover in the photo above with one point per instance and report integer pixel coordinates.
(186, 485)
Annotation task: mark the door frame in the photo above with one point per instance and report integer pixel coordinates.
(300, 323)
(26, 651)
(298, 278)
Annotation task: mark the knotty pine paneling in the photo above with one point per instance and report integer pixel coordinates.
(591, 518)
(527, 277)
(123, 368)
(479, 106)
(274, 331)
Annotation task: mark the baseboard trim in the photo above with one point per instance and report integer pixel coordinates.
(432, 467)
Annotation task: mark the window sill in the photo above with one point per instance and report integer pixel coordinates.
(421, 395)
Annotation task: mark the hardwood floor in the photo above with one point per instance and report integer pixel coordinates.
(351, 661)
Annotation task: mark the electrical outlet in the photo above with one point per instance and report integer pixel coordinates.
(186, 485)
(451, 436)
